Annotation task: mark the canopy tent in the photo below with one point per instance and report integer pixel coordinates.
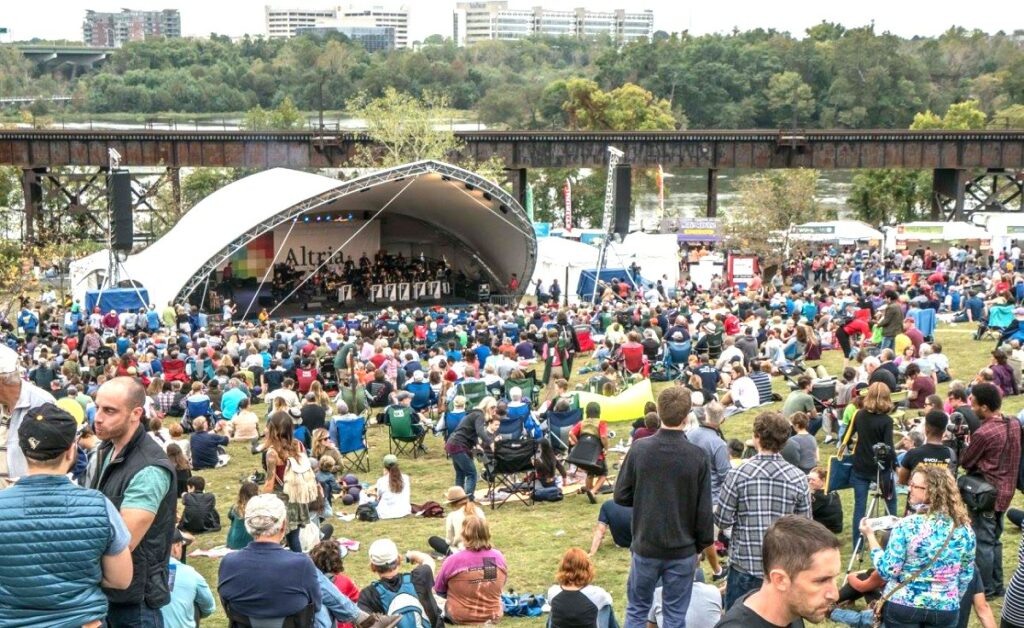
(841, 231)
(656, 254)
(585, 286)
(1005, 229)
(119, 299)
(938, 235)
(555, 256)
(476, 219)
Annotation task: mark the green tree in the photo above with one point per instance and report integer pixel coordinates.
(961, 116)
(889, 196)
(200, 183)
(790, 99)
(405, 128)
(286, 116)
(1011, 117)
(769, 204)
(256, 119)
(628, 107)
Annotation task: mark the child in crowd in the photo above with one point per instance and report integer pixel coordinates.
(328, 483)
(238, 536)
(736, 448)
(200, 508)
(329, 558)
(178, 438)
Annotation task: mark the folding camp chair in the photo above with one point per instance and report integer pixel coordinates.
(402, 435)
(999, 318)
(677, 357)
(421, 395)
(632, 360)
(527, 384)
(586, 454)
(451, 421)
(584, 336)
(474, 392)
(514, 423)
(559, 424)
(505, 470)
(352, 444)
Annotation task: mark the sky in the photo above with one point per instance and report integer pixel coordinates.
(62, 19)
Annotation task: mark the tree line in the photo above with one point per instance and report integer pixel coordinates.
(829, 76)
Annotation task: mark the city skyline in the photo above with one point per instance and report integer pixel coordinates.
(63, 19)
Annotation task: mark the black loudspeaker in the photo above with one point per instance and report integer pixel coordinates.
(121, 228)
(623, 194)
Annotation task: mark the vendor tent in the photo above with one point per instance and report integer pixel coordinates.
(841, 231)
(937, 235)
(555, 256)
(657, 255)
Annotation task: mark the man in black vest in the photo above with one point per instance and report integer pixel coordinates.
(133, 471)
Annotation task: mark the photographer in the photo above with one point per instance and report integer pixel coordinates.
(956, 399)
(933, 452)
(928, 562)
(872, 426)
(994, 455)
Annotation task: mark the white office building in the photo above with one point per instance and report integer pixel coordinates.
(285, 23)
(493, 19)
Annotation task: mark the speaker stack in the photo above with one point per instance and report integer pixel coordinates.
(623, 195)
(120, 198)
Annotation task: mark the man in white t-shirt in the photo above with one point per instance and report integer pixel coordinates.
(742, 391)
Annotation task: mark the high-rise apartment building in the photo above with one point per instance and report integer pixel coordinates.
(115, 29)
(285, 23)
(493, 19)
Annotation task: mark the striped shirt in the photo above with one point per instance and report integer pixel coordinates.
(764, 386)
(1013, 603)
(753, 496)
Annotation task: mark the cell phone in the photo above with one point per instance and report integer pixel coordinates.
(887, 522)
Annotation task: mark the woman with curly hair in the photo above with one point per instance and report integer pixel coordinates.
(575, 602)
(929, 560)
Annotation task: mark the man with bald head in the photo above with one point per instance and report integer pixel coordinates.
(133, 471)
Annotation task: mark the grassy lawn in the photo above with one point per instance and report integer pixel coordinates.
(532, 539)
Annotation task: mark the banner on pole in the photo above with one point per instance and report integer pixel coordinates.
(568, 205)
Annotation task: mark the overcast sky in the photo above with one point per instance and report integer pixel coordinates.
(62, 19)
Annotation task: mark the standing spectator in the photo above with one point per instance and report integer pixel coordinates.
(191, 593)
(872, 425)
(667, 482)
(929, 559)
(761, 490)
(134, 472)
(801, 562)
(994, 453)
(708, 437)
(58, 543)
(575, 601)
(592, 425)
(16, 397)
(891, 320)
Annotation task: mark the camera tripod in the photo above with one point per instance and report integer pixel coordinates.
(877, 499)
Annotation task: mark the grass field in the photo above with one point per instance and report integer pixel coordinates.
(532, 539)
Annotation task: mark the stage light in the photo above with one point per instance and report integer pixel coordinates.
(487, 196)
(503, 209)
(318, 218)
(445, 177)
(470, 187)
(328, 217)
(305, 219)
(350, 215)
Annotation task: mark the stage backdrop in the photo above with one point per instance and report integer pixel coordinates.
(308, 245)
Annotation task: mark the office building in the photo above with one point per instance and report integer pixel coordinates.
(373, 38)
(481, 21)
(116, 29)
(285, 23)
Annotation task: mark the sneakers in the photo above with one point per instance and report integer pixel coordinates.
(377, 620)
(830, 439)
(590, 496)
(719, 575)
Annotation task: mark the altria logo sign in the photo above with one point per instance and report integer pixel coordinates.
(302, 256)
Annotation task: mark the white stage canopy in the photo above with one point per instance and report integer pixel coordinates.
(475, 217)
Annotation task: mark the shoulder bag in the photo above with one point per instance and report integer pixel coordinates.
(979, 494)
(880, 605)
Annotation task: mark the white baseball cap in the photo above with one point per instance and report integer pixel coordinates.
(383, 552)
(8, 360)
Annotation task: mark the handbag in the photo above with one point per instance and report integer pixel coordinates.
(979, 494)
(880, 606)
(840, 466)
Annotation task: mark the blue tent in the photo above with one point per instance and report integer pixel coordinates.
(119, 299)
(585, 287)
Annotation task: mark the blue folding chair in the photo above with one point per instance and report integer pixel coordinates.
(352, 445)
(677, 357)
(559, 424)
(422, 395)
(512, 426)
(451, 421)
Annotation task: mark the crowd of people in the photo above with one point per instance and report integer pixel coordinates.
(110, 419)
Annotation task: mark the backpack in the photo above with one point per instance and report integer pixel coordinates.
(428, 509)
(404, 602)
(367, 512)
(299, 482)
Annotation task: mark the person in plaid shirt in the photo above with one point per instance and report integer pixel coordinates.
(994, 452)
(753, 497)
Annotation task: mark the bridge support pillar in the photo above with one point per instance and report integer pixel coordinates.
(712, 206)
(32, 188)
(174, 174)
(519, 179)
(948, 192)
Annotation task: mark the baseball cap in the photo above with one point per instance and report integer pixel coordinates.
(383, 552)
(405, 394)
(46, 432)
(390, 460)
(417, 376)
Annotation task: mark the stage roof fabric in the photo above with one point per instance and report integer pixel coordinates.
(474, 211)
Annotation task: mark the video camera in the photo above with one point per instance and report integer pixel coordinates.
(882, 452)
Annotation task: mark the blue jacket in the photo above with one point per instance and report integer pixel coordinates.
(53, 535)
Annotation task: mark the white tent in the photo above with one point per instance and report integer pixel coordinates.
(657, 255)
(555, 256)
(476, 217)
(841, 231)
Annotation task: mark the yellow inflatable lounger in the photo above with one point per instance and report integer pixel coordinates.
(626, 406)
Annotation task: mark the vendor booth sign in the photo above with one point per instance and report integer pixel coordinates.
(692, 229)
(814, 230)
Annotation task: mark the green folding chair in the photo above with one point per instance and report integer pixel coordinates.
(402, 436)
(474, 392)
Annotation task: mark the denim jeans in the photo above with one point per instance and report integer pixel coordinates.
(850, 617)
(134, 616)
(888, 342)
(465, 472)
(861, 489)
(814, 425)
(676, 578)
(988, 532)
(738, 584)
(899, 616)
